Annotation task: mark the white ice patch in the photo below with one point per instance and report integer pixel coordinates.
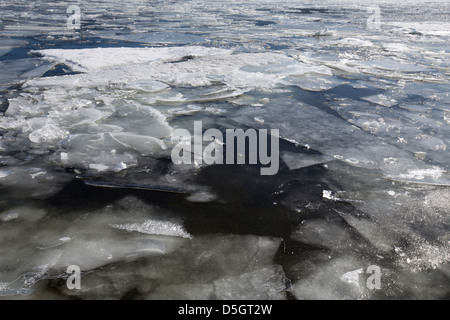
(432, 28)
(353, 42)
(202, 197)
(352, 277)
(47, 133)
(324, 33)
(398, 47)
(4, 174)
(381, 100)
(120, 166)
(155, 227)
(100, 58)
(9, 216)
(37, 174)
(98, 166)
(64, 157)
(142, 144)
(434, 173)
(330, 195)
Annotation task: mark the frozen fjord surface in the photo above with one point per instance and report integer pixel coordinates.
(104, 121)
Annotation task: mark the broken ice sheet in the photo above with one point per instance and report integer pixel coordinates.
(381, 100)
(310, 83)
(323, 233)
(264, 284)
(48, 133)
(202, 268)
(143, 144)
(91, 151)
(7, 44)
(416, 217)
(89, 240)
(431, 176)
(409, 131)
(419, 285)
(382, 239)
(330, 135)
(325, 283)
(300, 160)
(89, 138)
(147, 85)
(17, 71)
(156, 174)
(33, 180)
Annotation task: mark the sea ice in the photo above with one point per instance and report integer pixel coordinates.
(322, 233)
(326, 283)
(263, 284)
(205, 267)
